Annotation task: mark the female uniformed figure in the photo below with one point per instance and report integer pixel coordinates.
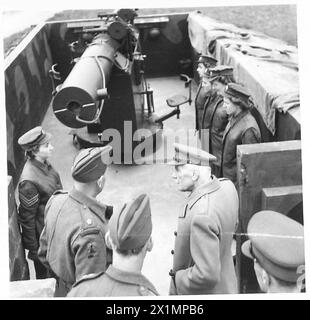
(242, 128)
(215, 118)
(37, 183)
(204, 88)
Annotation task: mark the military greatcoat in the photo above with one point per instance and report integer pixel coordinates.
(37, 183)
(215, 119)
(202, 258)
(242, 129)
(203, 92)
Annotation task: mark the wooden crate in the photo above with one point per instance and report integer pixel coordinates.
(265, 172)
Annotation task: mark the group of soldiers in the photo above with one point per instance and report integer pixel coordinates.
(223, 116)
(94, 250)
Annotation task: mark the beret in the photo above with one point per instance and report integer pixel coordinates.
(219, 71)
(277, 242)
(131, 227)
(34, 137)
(185, 154)
(90, 164)
(207, 60)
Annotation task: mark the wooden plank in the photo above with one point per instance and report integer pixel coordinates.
(261, 166)
(270, 164)
(281, 199)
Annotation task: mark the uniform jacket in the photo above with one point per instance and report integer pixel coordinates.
(113, 283)
(72, 242)
(215, 119)
(201, 96)
(37, 183)
(242, 129)
(202, 261)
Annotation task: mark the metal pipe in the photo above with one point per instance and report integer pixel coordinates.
(84, 83)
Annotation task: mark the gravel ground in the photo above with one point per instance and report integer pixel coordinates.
(278, 21)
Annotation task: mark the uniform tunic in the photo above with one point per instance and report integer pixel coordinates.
(113, 283)
(202, 261)
(38, 182)
(242, 129)
(72, 243)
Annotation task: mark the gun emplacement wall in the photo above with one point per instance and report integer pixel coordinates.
(28, 91)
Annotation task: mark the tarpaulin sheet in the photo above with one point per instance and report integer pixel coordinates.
(268, 67)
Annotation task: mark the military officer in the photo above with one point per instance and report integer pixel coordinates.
(129, 236)
(72, 243)
(276, 245)
(37, 183)
(215, 118)
(204, 88)
(202, 259)
(242, 128)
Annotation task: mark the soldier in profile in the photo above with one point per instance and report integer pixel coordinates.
(215, 118)
(129, 236)
(38, 181)
(242, 128)
(202, 258)
(276, 246)
(72, 242)
(204, 88)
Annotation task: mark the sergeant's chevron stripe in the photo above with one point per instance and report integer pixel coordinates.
(28, 202)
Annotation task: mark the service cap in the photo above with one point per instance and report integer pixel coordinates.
(131, 227)
(190, 155)
(34, 137)
(219, 71)
(236, 90)
(90, 164)
(207, 60)
(277, 242)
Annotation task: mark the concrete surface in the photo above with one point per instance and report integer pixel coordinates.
(32, 288)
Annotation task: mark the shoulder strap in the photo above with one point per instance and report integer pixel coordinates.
(86, 277)
(61, 199)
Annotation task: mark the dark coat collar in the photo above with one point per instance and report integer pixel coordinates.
(207, 188)
(233, 120)
(38, 164)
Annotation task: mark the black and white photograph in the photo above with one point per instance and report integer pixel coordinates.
(154, 150)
